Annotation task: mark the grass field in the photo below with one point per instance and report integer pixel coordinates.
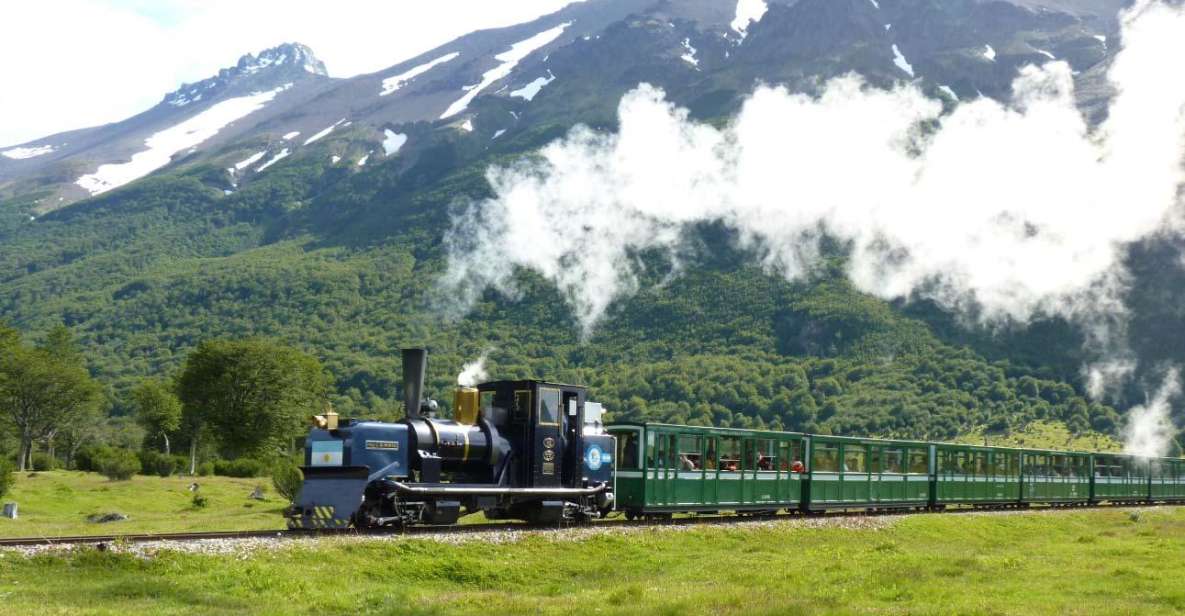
(57, 503)
(1045, 435)
(1061, 562)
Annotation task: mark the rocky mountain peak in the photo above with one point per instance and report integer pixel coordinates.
(291, 54)
(286, 62)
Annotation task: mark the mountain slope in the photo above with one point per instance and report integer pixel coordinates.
(319, 219)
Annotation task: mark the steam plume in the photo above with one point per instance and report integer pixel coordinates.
(1150, 429)
(473, 372)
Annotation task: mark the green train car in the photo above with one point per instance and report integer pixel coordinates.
(867, 473)
(969, 474)
(664, 469)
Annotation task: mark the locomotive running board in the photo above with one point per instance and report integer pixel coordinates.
(329, 497)
(440, 489)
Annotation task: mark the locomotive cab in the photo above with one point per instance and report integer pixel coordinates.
(526, 449)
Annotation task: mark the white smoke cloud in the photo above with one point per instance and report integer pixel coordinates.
(474, 372)
(1018, 209)
(1150, 428)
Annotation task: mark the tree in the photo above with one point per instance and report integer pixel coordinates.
(251, 396)
(157, 409)
(43, 389)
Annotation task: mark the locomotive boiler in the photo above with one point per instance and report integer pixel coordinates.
(529, 450)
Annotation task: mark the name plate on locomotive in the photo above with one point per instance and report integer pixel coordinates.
(549, 468)
(383, 445)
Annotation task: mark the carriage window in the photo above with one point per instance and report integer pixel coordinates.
(765, 455)
(825, 459)
(855, 459)
(981, 463)
(918, 462)
(549, 406)
(893, 460)
(730, 453)
(690, 458)
(999, 463)
(627, 450)
(710, 456)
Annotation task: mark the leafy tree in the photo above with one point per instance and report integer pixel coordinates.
(157, 409)
(251, 396)
(43, 389)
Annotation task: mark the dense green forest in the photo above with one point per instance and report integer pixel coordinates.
(345, 266)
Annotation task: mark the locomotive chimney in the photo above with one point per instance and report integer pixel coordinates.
(415, 364)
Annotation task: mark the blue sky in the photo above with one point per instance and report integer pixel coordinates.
(77, 63)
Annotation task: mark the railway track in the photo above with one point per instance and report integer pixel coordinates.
(698, 520)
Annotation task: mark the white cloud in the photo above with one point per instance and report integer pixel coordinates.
(1018, 208)
(111, 59)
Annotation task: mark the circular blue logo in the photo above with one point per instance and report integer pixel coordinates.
(593, 457)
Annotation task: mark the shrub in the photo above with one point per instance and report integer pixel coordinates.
(156, 463)
(287, 479)
(205, 469)
(6, 477)
(199, 501)
(243, 467)
(117, 464)
(181, 463)
(44, 462)
(84, 460)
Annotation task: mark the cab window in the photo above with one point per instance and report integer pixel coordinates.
(549, 406)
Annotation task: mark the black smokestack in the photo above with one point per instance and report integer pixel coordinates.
(415, 364)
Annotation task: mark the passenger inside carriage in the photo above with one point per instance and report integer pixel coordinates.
(798, 467)
(686, 463)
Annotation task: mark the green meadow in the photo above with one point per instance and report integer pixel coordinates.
(1100, 561)
(57, 503)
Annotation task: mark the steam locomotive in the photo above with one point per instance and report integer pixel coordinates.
(527, 450)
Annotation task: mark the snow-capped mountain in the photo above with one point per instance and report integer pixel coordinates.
(572, 66)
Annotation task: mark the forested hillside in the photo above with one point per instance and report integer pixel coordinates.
(346, 266)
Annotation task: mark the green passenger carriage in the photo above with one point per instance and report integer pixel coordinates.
(664, 469)
(1056, 477)
(1167, 479)
(867, 473)
(1120, 478)
(969, 474)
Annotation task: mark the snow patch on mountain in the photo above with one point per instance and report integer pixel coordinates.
(275, 159)
(531, 90)
(362, 161)
(989, 53)
(876, 5)
(509, 59)
(393, 84)
(949, 92)
(292, 135)
(250, 160)
(394, 142)
(689, 56)
(748, 13)
(1046, 54)
(164, 144)
(325, 131)
(901, 62)
(29, 152)
(499, 133)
